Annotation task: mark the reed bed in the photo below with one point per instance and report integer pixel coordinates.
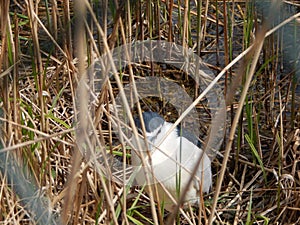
(49, 176)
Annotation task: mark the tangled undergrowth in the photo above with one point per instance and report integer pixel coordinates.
(45, 48)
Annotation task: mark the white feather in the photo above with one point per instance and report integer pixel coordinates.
(170, 174)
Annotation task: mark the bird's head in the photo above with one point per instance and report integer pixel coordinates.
(153, 123)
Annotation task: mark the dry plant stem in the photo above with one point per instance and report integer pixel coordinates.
(54, 16)
(245, 188)
(124, 100)
(16, 95)
(177, 6)
(84, 107)
(107, 189)
(218, 77)
(72, 182)
(7, 71)
(281, 137)
(185, 36)
(4, 65)
(67, 19)
(129, 21)
(45, 136)
(121, 139)
(40, 74)
(4, 10)
(205, 19)
(225, 43)
(36, 140)
(238, 207)
(143, 159)
(35, 17)
(257, 48)
(170, 6)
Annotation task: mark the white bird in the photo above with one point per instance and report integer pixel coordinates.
(170, 161)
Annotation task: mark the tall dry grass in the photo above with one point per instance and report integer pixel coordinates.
(45, 49)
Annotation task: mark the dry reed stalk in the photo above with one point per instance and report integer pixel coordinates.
(47, 144)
